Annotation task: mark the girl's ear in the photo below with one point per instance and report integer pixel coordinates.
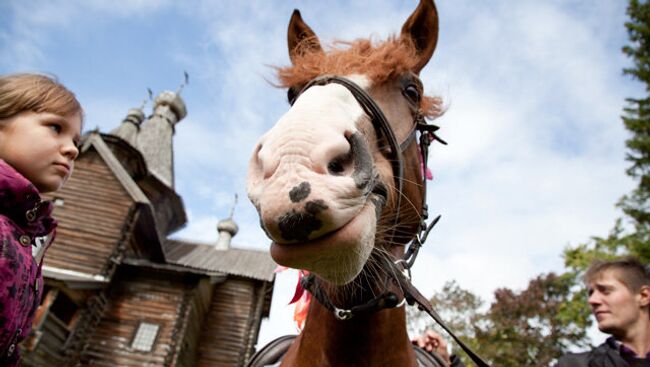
(644, 296)
(421, 28)
(300, 38)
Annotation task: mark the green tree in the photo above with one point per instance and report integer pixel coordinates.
(530, 327)
(527, 328)
(636, 118)
(459, 308)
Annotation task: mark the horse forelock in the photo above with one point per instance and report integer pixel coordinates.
(378, 61)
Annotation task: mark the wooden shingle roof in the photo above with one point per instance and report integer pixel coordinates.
(241, 262)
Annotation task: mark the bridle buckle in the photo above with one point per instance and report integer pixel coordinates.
(341, 314)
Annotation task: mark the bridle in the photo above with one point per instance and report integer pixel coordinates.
(383, 128)
(400, 269)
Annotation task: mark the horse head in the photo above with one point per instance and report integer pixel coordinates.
(331, 186)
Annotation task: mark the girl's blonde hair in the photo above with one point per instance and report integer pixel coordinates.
(35, 93)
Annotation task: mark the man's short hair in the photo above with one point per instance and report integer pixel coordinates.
(630, 271)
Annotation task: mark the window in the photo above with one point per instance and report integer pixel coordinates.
(64, 309)
(145, 336)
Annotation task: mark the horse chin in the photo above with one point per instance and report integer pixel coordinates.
(337, 257)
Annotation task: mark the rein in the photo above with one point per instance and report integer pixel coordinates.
(399, 271)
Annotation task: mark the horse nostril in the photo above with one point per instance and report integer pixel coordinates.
(335, 168)
(264, 161)
(257, 160)
(363, 162)
(339, 165)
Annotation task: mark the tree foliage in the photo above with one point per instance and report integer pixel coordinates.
(528, 328)
(459, 308)
(636, 118)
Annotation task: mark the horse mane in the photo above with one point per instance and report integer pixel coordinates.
(380, 62)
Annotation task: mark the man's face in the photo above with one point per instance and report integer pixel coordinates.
(615, 307)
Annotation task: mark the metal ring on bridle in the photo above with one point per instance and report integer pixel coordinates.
(342, 314)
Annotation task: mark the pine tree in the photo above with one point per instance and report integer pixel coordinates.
(636, 119)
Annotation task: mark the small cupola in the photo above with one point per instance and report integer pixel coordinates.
(155, 139)
(130, 126)
(227, 229)
(156, 135)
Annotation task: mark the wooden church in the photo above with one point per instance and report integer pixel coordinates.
(119, 291)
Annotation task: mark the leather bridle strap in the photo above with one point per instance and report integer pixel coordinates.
(413, 296)
(383, 301)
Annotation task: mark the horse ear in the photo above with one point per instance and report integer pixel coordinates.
(300, 38)
(422, 29)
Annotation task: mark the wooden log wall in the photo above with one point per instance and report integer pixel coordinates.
(225, 338)
(91, 219)
(154, 299)
(88, 320)
(199, 304)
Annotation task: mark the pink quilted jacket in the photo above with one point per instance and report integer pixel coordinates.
(23, 217)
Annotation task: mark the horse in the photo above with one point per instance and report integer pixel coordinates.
(339, 187)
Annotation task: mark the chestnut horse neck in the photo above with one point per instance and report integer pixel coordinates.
(376, 339)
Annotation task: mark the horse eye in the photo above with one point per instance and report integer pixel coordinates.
(412, 93)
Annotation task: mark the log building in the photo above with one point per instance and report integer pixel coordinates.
(118, 290)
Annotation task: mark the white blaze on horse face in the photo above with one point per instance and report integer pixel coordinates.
(320, 218)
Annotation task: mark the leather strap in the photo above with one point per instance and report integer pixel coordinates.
(383, 301)
(414, 296)
(272, 353)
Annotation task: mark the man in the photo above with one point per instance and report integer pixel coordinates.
(619, 296)
(432, 342)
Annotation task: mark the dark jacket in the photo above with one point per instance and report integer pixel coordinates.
(605, 355)
(23, 218)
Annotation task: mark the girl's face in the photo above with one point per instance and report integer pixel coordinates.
(41, 146)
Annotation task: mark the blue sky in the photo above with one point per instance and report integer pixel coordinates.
(533, 90)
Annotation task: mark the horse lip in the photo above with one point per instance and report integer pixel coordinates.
(308, 242)
(286, 253)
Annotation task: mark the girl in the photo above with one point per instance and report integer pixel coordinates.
(40, 126)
